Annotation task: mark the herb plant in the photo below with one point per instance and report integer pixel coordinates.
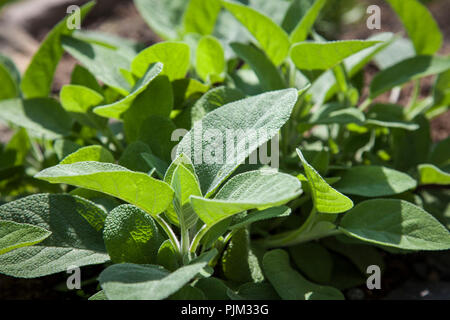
(92, 174)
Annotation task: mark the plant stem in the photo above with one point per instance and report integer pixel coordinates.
(184, 239)
(363, 106)
(198, 237)
(169, 232)
(414, 96)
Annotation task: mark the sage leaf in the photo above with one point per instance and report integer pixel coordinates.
(15, 235)
(247, 219)
(149, 194)
(430, 174)
(301, 31)
(38, 78)
(200, 16)
(268, 75)
(115, 110)
(131, 235)
(42, 117)
(175, 56)
(395, 223)
(89, 153)
(250, 190)
(420, 24)
(271, 37)
(313, 260)
(148, 282)
(72, 241)
(289, 284)
(407, 70)
(374, 181)
(326, 199)
(264, 114)
(325, 55)
(210, 59)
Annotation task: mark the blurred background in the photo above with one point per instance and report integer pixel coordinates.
(25, 23)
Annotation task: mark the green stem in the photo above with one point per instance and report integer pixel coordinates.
(363, 106)
(169, 232)
(184, 239)
(198, 237)
(415, 95)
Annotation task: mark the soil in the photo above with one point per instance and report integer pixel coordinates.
(24, 25)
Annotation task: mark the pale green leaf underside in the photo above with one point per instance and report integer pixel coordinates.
(271, 37)
(326, 199)
(395, 223)
(430, 174)
(15, 235)
(115, 110)
(250, 190)
(252, 121)
(148, 282)
(374, 181)
(325, 55)
(149, 194)
(89, 153)
(72, 241)
(290, 284)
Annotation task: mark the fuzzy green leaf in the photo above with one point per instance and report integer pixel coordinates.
(261, 115)
(271, 37)
(42, 117)
(175, 56)
(420, 24)
(116, 109)
(200, 16)
(72, 241)
(407, 70)
(326, 199)
(131, 235)
(301, 31)
(210, 59)
(136, 282)
(430, 174)
(137, 188)
(250, 190)
(89, 153)
(374, 181)
(289, 284)
(38, 77)
(15, 235)
(326, 55)
(395, 223)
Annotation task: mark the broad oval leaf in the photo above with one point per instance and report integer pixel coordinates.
(175, 56)
(420, 24)
(325, 55)
(9, 88)
(326, 199)
(15, 235)
(430, 174)
(89, 153)
(138, 282)
(407, 70)
(250, 190)
(395, 223)
(116, 109)
(131, 235)
(210, 59)
(251, 122)
(137, 188)
(72, 242)
(42, 117)
(200, 16)
(290, 284)
(271, 37)
(374, 181)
